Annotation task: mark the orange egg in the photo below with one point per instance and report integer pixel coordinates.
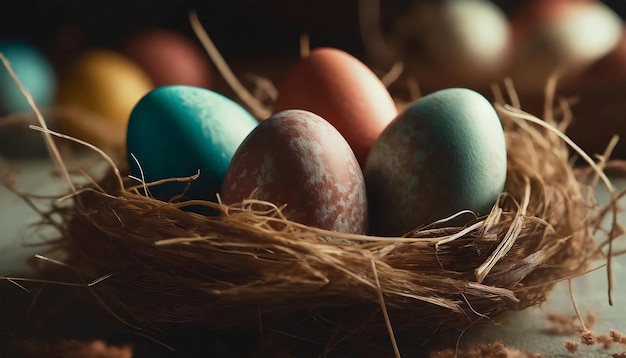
(338, 87)
(170, 58)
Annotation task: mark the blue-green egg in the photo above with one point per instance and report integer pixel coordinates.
(446, 152)
(34, 71)
(178, 131)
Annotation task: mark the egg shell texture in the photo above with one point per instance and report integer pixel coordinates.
(176, 131)
(297, 158)
(445, 153)
(341, 89)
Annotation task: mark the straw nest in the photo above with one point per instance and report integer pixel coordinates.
(152, 263)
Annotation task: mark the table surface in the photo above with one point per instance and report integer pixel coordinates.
(524, 330)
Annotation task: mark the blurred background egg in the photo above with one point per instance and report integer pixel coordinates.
(341, 89)
(38, 77)
(444, 153)
(176, 131)
(33, 70)
(105, 86)
(568, 35)
(170, 57)
(606, 71)
(297, 158)
(454, 42)
(598, 107)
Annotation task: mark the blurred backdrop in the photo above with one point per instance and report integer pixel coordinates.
(439, 46)
(262, 37)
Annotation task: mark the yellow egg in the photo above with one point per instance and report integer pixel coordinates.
(101, 87)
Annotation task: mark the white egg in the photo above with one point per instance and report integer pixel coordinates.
(464, 41)
(561, 35)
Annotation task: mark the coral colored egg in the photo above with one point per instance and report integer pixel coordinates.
(106, 84)
(444, 153)
(341, 89)
(297, 158)
(169, 58)
(178, 131)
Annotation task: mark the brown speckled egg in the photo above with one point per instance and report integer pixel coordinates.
(297, 158)
(341, 89)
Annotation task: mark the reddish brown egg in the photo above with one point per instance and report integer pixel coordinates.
(170, 58)
(341, 89)
(297, 158)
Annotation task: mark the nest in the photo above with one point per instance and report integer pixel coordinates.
(153, 263)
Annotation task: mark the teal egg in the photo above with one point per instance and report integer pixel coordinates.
(444, 153)
(177, 131)
(34, 71)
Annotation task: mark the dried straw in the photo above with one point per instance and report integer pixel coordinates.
(152, 263)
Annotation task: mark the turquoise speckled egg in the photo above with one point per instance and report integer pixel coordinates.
(444, 153)
(33, 70)
(176, 131)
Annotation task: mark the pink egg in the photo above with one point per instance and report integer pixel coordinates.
(296, 158)
(170, 58)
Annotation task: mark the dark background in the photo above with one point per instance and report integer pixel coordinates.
(262, 37)
(248, 30)
(238, 27)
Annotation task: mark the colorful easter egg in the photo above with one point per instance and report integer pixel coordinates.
(444, 153)
(296, 158)
(170, 58)
(341, 89)
(106, 86)
(34, 72)
(178, 131)
(560, 35)
(454, 42)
